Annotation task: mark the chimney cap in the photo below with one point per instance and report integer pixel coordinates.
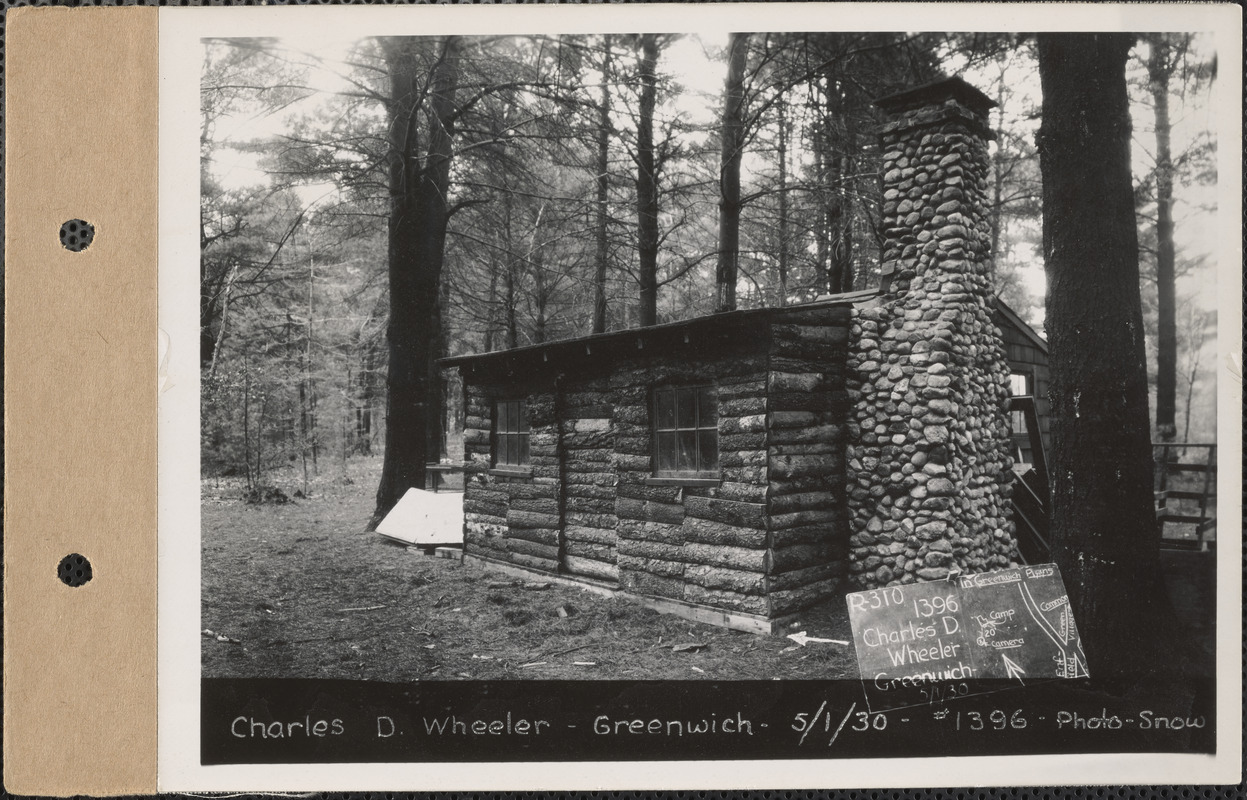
(937, 92)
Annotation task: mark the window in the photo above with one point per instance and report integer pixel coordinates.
(1021, 384)
(686, 432)
(510, 433)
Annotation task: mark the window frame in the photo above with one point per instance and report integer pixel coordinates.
(501, 434)
(702, 393)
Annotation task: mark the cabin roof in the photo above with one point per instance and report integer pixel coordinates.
(725, 328)
(730, 326)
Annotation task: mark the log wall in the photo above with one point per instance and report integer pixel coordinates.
(767, 537)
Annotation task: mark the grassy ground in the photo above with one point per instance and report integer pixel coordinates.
(299, 590)
(305, 593)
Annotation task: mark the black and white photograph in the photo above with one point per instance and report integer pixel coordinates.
(795, 391)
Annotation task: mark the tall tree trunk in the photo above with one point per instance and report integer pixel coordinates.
(1159, 70)
(417, 235)
(1104, 532)
(729, 173)
(647, 183)
(603, 187)
(783, 206)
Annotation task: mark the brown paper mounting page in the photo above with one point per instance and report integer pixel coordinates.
(80, 402)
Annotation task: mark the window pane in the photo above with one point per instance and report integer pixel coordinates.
(523, 449)
(686, 408)
(706, 411)
(664, 402)
(508, 449)
(666, 452)
(686, 455)
(1019, 384)
(708, 450)
(521, 413)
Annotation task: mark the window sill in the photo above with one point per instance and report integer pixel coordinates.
(680, 480)
(511, 472)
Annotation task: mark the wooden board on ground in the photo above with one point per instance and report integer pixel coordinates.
(928, 642)
(425, 518)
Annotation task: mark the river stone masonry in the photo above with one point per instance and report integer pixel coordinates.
(929, 450)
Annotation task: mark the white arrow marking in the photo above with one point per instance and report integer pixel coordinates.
(800, 638)
(1013, 669)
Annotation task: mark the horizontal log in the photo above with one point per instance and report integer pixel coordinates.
(649, 510)
(587, 441)
(534, 562)
(529, 548)
(650, 531)
(799, 556)
(745, 474)
(796, 466)
(784, 503)
(835, 535)
(801, 401)
(795, 519)
(497, 526)
(637, 490)
(473, 506)
(722, 578)
(539, 535)
(578, 476)
(810, 482)
(631, 414)
(742, 441)
(794, 419)
(531, 519)
(541, 505)
(580, 533)
(591, 568)
(797, 382)
(639, 548)
(634, 462)
(807, 434)
(810, 352)
(486, 492)
(755, 423)
(727, 600)
(704, 531)
(826, 362)
(750, 386)
(526, 489)
(745, 492)
(743, 406)
(651, 584)
(653, 566)
(717, 555)
(795, 578)
(731, 512)
(590, 505)
(590, 491)
(601, 552)
(790, 600)
(580, 518)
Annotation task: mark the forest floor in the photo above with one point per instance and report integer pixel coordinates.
(300, 590)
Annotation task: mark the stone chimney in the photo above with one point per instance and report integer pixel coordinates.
(929, 448)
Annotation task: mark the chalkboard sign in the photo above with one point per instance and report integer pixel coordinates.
(929, 642)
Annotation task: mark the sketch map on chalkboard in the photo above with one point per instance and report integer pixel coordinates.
(930, 642)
